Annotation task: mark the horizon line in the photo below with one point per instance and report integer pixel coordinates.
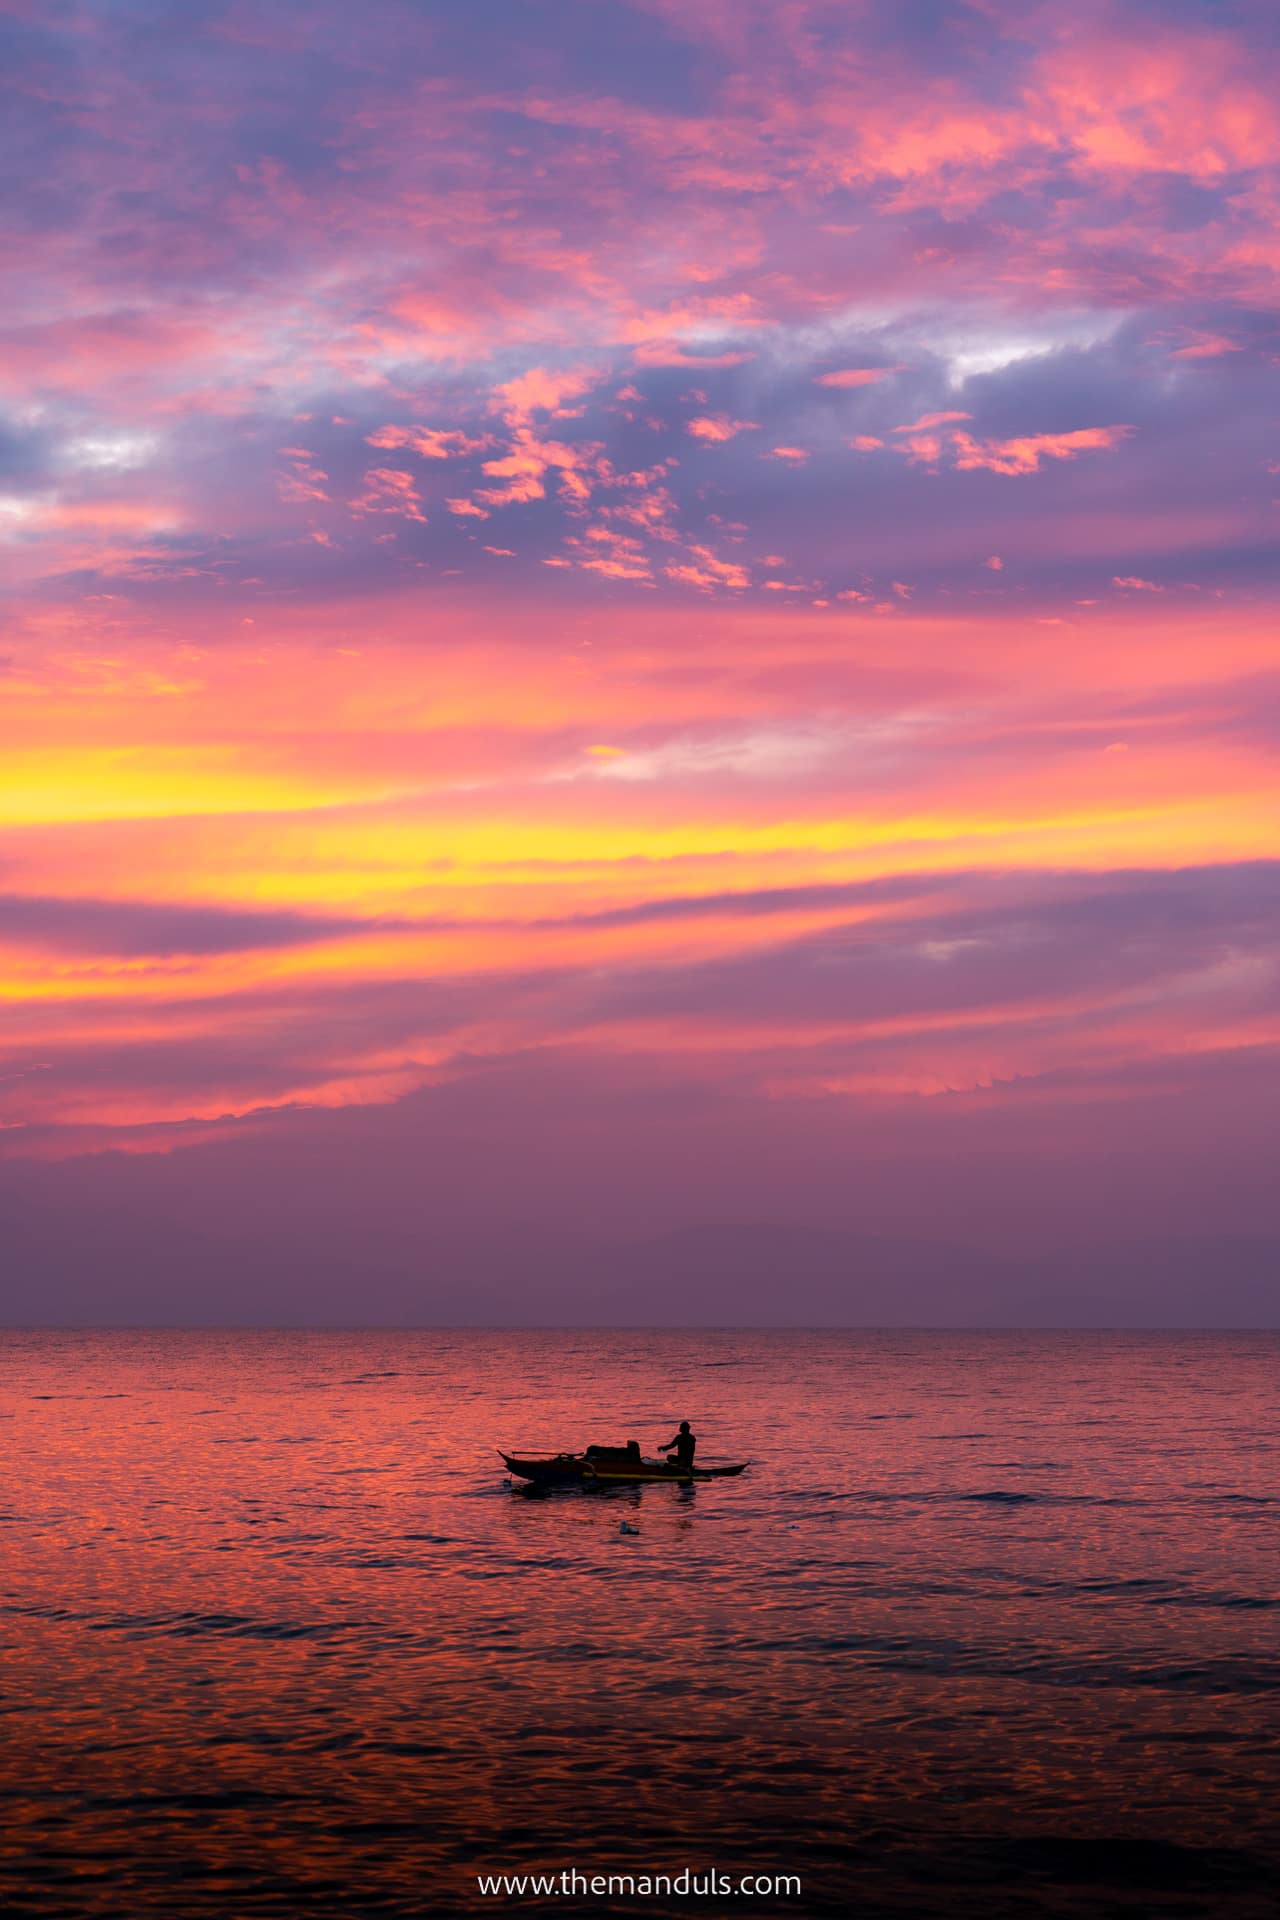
(532, 1326)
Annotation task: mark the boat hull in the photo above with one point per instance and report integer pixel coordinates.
(568, 1470)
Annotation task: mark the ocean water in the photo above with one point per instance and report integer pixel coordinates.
(990, 1626)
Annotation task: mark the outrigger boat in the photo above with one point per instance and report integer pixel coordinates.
(611, 1467)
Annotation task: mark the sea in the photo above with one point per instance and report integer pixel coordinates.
(989, 1626)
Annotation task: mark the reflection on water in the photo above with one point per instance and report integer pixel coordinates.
(989, 1626)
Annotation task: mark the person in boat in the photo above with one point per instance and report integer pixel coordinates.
(682, 1446)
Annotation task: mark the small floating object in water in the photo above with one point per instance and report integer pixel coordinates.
(627, 1527)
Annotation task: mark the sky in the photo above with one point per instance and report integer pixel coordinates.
(618, 618)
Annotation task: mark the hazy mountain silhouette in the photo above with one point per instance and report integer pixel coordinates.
(1188, 1280)
(91, 1245)
(763, 1273)
(775, 1273)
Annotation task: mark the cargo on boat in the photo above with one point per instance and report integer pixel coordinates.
(610, 1467)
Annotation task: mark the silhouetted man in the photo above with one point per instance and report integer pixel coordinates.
(683, 1445)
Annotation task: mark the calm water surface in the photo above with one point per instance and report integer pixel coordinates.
(990, 1626)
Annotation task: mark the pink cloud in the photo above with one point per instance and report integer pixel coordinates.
(650, 508)
(922, 448)
(856, 376)
(1183, 102)
(122, 345)
(33, 516)
(625, 558)
(928, 420)
(541, 390)
(530, 459)
(1207, 347)
(718, 426)
(301, 486)
(616, 567)
(667, 353)
(707, 569)
(387, 490)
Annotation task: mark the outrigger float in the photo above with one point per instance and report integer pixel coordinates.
(611, 1467)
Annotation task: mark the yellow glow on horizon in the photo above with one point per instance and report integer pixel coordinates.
(457, 816)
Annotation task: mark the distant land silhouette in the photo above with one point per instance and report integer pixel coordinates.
(106, 1261)
(798, 1274)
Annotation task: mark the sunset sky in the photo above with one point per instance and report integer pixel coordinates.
(626, 615)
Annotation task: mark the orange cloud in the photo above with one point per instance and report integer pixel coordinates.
(430, 442)
(1024, 454)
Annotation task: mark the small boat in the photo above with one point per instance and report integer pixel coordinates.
(610, 1467)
